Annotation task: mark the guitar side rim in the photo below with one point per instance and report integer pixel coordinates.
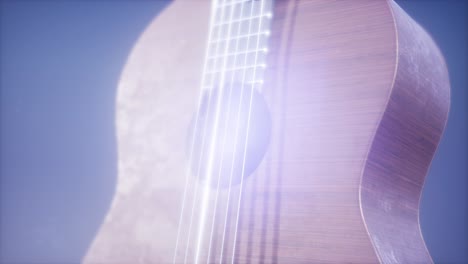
(438, 91)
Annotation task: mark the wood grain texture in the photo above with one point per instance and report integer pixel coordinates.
(358, 96)
(404, 145)
(327, 93)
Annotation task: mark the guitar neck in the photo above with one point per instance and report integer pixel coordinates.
(237, 44)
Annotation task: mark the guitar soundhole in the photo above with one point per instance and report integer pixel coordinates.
(231, 139)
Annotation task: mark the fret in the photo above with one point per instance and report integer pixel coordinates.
(263, 33)
(232, 3)
(221, 32)
(237, 43)
(237, 60)
(222, 55)
(242, 19)
(237, 68)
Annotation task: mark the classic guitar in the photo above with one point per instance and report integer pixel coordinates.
(287, 131)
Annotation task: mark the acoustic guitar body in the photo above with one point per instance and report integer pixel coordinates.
(357, 95)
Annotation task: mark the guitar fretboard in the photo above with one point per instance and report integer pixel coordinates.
(237, 43)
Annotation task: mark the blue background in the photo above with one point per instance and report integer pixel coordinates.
(59, 68)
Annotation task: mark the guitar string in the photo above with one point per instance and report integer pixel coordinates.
(212, 146)
(233, 74)
(262, 3)
(204, 129)
(235, 139)
(192, 144)
(242, 19)
(204, 132)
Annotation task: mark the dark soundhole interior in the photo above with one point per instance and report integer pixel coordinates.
(229, 145)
